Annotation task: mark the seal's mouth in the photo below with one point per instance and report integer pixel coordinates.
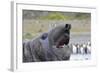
(62, 42)
(61, 45)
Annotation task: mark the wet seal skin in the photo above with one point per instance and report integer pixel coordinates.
(51, 46)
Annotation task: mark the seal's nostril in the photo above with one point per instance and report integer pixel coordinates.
(68, 26)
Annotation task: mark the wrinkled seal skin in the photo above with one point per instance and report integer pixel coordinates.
(48, 46)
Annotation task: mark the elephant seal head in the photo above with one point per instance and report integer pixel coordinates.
(60, 35)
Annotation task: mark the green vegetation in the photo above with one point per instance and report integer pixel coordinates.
(80, 16)
(61, 16)
(48, 15)
(36, 22)
(55, 16)
(27, 35)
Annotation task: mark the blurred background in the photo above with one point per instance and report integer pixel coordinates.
(35, 22)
